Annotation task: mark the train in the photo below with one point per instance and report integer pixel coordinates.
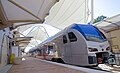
(78, 44)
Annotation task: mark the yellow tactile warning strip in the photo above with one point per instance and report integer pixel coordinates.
(32, 65)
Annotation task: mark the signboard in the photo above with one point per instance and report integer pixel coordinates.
(16, 51)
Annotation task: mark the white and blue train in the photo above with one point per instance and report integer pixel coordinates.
(78, 44)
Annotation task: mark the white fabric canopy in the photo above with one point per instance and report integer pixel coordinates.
(67, 12)
(63, 14)
(109, 24)
(13, 11)
(38, 32)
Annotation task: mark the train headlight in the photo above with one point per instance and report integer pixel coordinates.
(93, 49)
(108, 48)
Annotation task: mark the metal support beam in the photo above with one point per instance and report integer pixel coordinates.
(92, 11)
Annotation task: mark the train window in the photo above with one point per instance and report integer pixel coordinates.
(92, 59)
(64, 39)
(72, 37)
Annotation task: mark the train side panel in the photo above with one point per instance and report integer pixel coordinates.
(75, 49)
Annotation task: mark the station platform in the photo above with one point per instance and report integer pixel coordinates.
(6, 68)
(34, 65)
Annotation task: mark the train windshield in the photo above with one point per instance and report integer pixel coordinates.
(91, 33)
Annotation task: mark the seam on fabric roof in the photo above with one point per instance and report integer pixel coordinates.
(103, 29)
(42, 35)
(72, 13)
(81, 19)
(37, 32)
(49, 5)
(85, 11)
(45, 31)
(57, 12)
(56, 27)
(77, 21)
(64, 11)
(37, 28)
(24, 9)
(37, 35)
(3, 10)
(87, 7)
(112, 23)
(40, 7)
(31, 30)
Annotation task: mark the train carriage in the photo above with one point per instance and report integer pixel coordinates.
(78, 44)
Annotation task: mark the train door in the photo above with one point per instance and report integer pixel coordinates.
(72, 43)
(78, 48)
(66, 49)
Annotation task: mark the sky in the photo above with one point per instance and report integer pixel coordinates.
(107, 8)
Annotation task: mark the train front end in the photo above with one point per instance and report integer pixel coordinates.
(98, 46)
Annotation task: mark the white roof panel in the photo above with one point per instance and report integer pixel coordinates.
(67, 12)
(109, 24)
(25, 10)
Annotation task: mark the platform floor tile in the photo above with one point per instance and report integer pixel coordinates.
(33, 65)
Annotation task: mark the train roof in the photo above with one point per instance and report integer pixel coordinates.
(73, 26)
(78, 27)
